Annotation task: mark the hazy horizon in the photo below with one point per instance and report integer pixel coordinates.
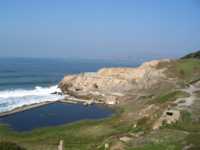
(107, 29)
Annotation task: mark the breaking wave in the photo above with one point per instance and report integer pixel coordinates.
(11, 99)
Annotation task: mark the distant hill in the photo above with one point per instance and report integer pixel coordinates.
(192, 55)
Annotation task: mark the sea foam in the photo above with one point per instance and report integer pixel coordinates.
(11, 99)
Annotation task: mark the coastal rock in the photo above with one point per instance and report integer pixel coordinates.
(109, 81)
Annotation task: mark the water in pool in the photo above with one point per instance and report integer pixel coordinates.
(54, 114)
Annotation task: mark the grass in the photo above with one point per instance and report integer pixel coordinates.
(163, 139)
(75, 136)
(144, 124)
(10, 146)
(187, 124)
(188, 69)
(159, 146)
(193, 139)
(83, 135)
(92, 134)
(169, 96)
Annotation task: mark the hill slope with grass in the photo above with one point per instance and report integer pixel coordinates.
(163, 116)
(195, 55)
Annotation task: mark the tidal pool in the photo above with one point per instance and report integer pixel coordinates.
(54, 114)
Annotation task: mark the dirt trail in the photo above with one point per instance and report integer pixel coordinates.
(187, 101)
(60, 146)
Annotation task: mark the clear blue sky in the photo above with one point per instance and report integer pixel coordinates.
(99, 28)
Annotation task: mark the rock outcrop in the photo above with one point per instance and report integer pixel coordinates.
(168, 117)
(108, 84)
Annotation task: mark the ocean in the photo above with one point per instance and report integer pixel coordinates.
(25, 81)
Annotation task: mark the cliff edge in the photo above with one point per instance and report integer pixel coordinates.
(107, 84)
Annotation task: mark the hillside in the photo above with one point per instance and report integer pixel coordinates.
(195, 55)
(157, 107)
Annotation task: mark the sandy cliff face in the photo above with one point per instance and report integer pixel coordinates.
(113, 81)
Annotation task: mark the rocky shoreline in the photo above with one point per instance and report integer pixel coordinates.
(110, 85)
(106, 86)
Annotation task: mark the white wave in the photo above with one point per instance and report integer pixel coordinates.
(11, 99)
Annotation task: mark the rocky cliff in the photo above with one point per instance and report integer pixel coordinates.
(108, 84)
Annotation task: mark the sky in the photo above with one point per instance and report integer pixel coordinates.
(99, 29)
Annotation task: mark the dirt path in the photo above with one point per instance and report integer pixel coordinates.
(60, 146)
(187, 101)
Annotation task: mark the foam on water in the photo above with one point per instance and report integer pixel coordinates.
(11, 99)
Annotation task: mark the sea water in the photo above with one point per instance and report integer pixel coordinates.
(26, 81)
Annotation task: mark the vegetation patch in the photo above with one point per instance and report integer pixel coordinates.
(170, 96)
(4, 145)
(188, 69)
(144, 123)
(186, 123)
(93, 134)
(191, 127)
(84, 135)
(193, 141)
(158, 146)
(195, 55)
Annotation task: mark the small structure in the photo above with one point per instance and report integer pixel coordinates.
(111, 100)
(168, 117)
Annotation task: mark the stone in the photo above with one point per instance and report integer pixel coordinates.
(125, 139)
(107, 81)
